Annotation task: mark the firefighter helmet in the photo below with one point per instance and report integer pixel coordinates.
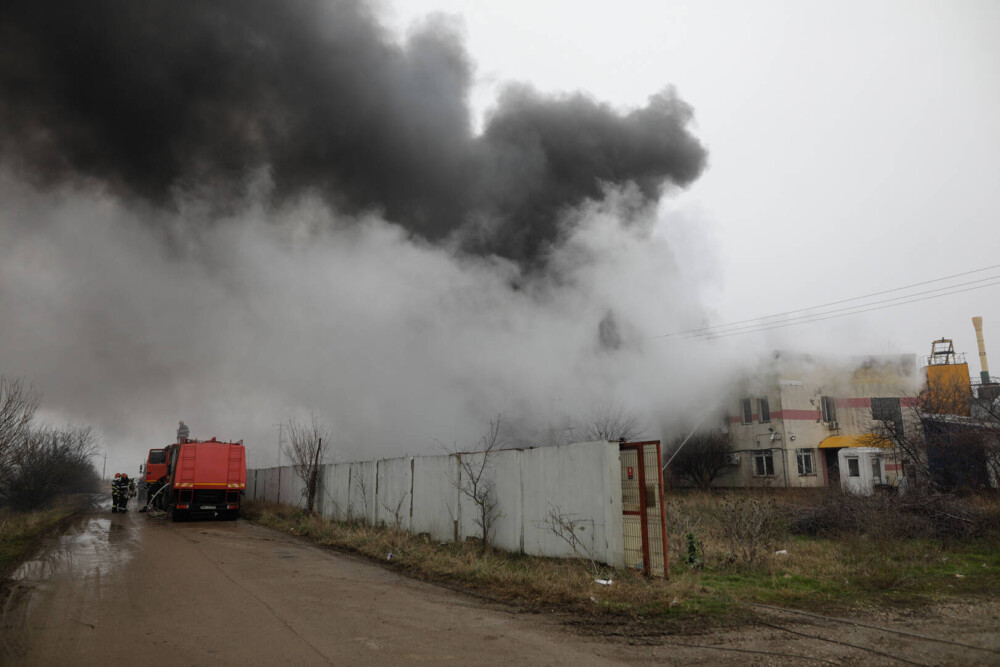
(117, 475)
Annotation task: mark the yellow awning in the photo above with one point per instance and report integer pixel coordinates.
(866, 440)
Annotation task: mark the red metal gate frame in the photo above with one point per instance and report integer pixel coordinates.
(640, 455)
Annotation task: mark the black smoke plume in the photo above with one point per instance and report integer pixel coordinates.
(154, 98)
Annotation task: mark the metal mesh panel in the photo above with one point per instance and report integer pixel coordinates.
(633, 542)
(630, 503)
(642, 507)
(630, 480)
(654, 499)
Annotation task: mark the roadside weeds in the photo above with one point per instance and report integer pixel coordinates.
(710, 585)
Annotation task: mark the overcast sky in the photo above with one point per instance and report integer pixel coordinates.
(854, 147)
(194, 235)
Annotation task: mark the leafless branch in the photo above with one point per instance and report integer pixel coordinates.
(612, 422)
(568, 528)
(477, 479)
(307, 448)
(702, 459)
(18, 404)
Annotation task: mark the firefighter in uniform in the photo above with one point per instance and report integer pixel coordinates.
(116, 489)
(125, 491)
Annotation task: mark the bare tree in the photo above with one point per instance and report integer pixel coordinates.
(570, 529)
(306, 449)
(47, 463)
(903, 436)
(701, 459)
(396, 511)
(612, 422)
(945, 438)
(477, 480)
(18, 404)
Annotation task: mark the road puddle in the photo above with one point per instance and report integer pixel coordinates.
(95, 546)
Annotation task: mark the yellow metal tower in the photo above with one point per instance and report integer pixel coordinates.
(948, 389)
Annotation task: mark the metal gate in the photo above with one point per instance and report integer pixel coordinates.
(642, 505)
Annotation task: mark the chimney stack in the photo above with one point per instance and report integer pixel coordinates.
(977, 322)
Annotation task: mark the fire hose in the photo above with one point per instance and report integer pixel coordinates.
(149, 509)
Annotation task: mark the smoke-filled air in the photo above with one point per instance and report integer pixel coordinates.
(240, 212)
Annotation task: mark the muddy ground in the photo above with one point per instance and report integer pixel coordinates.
(132, 587)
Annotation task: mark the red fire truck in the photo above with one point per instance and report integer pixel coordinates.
(197, 478)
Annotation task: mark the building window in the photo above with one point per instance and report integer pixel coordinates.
(746, 408)
(829, 409)
(887, 410)
(877, 470)
(763, 464)
(763, 411)
(805, 459)
(853, 467)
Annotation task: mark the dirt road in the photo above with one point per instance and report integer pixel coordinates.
(128, 587)
(124, 586)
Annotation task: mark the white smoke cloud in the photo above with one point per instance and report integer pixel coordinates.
(266, 315)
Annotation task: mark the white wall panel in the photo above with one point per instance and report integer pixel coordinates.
(393, 492)
(580, 481)
(435, 498)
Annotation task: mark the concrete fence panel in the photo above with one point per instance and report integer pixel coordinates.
(579, 484)
(292, 488)
(435, 496)
(394, 486)
(502, 469)
(335, 491)
(250, 492)
(267, 485)
(362, 491)
(573, 484)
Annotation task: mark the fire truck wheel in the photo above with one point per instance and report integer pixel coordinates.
(230, 515)
(177, 515)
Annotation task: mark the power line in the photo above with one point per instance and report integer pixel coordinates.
(776, 325)
(849, 310)
(834, 303)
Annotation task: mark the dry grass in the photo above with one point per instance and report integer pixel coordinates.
(527, 581)
(868, 556)
(845, 570)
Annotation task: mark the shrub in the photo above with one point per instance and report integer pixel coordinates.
(884, 516)
(750, 524)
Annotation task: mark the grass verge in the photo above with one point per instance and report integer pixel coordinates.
(528, 582)
(826, 574)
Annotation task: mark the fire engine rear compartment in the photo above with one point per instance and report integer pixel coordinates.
(204, 479)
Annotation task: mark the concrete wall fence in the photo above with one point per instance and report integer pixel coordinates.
(579, 482)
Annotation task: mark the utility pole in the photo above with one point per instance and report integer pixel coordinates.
(104, 470)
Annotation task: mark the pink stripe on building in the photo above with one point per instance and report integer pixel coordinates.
(811, 415)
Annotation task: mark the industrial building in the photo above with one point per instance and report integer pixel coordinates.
(788, 424)
(864, 423)
(960, 418)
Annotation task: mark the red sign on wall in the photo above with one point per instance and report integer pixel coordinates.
(630, 474)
